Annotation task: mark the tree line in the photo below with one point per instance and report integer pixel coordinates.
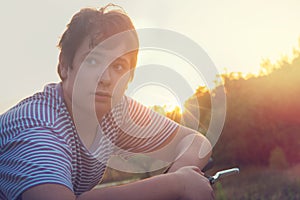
(262, 125)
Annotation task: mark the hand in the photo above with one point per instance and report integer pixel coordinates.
(193, 184)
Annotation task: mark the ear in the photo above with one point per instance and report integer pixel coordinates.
(62, 67)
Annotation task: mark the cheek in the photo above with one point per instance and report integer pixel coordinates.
(120, 86)
(122, 82)
(84, 84)
(86, 79)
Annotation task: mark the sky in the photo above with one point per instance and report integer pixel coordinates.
(237, 35)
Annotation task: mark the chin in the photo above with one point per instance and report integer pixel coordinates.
(102, 108)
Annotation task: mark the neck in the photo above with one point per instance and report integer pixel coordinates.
(85, 121)
(86, 126)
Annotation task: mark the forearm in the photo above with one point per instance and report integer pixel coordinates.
(159, 187)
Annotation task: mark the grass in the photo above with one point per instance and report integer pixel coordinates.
(259, 183)
(252, 183)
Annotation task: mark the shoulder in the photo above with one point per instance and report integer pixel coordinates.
(42, 107)
(39, 110)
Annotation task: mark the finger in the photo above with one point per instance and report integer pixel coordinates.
(197, 169)
(212, 195)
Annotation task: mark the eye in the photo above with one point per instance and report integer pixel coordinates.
(119, 67)
(91, 61)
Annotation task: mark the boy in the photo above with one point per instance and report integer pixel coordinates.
(56, 144)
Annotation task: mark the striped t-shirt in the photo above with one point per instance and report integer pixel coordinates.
(39, 143)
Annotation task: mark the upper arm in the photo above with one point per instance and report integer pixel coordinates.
(33, 158)
(48, 192)
(144, 130)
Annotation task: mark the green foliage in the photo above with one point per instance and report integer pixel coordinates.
(258, 183)
(263, 112)
(219, 192)
(277, 159)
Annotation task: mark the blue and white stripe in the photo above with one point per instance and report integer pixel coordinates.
(39, 143)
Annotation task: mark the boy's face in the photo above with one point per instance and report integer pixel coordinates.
(99, 77)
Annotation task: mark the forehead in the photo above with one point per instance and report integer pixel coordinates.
(109, 49)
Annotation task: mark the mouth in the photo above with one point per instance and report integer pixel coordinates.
(102, 96)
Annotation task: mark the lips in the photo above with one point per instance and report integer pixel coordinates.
(103, 93)
(102, 96)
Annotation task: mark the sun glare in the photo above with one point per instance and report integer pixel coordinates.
(164, 79)
(155, 95)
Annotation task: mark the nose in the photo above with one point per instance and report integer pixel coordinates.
(105, 78)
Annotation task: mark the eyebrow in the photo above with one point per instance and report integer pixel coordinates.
(121, 59)
(90, 53)
(96, 54)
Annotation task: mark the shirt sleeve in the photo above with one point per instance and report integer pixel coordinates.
(33, 157)
(140, 129)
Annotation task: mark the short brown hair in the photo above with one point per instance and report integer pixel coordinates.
(98, 24)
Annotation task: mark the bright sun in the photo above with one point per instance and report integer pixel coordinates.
(151, 95)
